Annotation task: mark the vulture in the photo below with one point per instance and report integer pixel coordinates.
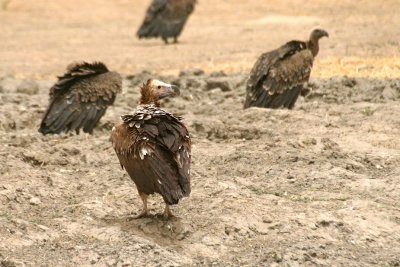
(153, 146)
(278, 76)
(80, 98)
(166, 19)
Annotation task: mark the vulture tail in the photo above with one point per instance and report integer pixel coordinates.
(287, 99)
(55, 118)
(150, 29)
(44, 129)
(295, 94)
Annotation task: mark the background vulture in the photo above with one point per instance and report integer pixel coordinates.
(278, 76)
(166, 19)
(80, 98)
(154, 147)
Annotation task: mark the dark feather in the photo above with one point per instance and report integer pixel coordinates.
(155, 152)
(80, 98)
(277, 75)
(166, 18)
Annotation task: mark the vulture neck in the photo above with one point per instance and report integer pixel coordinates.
(313, 46)
(148, 97)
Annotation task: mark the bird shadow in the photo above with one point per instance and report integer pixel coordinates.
(142, 44)
(133, 218)
(160, 44)
(154, 226)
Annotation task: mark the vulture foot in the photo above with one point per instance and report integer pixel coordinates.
(167, 212)
(145, 211)
(143, 214)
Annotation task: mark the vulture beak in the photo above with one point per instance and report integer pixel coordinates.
(325, 33)
(176, 90)
(166, 90)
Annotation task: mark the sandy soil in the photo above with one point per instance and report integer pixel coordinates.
(314, 186)
(38, 38)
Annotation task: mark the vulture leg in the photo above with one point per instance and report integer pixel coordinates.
(145, 211)
(175, 40)
(165, 39)
(167, 212)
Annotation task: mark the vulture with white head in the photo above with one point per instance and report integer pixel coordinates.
(153, 146)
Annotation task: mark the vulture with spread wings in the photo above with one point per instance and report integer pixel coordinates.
(279, 76)
(153, 146)
(166, 19)
(80, 98)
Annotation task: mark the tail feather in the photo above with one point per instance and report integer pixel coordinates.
(295, 94)
(287, 99)
(55, 118)
(153, 28)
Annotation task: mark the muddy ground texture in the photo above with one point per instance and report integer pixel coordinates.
(313, 186)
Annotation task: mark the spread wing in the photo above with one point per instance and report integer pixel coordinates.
(80, 98)
(278, 76)
(155, 151)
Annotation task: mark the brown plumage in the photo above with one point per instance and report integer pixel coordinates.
(279, 76)
(166, 19)
(153, 146)
(80, 98)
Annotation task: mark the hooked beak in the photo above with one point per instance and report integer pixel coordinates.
(176, 90)
(169, 90)
(325, 33)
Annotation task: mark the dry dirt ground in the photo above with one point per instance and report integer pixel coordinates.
(314, 186)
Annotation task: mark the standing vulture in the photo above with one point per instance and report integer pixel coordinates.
(166, 19)
(154, 147)
(278, 76)
(80, 98)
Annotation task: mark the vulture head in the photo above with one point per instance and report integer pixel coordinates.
(154, 90)
(315, 35)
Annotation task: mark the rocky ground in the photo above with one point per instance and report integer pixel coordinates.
(313, 186)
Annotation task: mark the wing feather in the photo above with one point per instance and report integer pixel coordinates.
(152, 24)
(80, 97)
(276, 76)
(165, 18)
(156, 153)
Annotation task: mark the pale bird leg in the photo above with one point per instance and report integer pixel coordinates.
(165, 40)
(167, 212)
(145, 211)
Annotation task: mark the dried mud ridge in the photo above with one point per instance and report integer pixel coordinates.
(314, 186)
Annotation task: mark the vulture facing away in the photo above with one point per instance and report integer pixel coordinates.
(279, 76)
(80, 98)
(166, 19)
(153, 146)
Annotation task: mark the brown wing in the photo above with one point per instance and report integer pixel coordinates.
(155, 151)
(165, 18)
(80, 98)
(278, 76)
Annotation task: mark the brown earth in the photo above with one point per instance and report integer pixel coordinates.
(314, 186)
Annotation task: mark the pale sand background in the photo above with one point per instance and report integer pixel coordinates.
(38, 38)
